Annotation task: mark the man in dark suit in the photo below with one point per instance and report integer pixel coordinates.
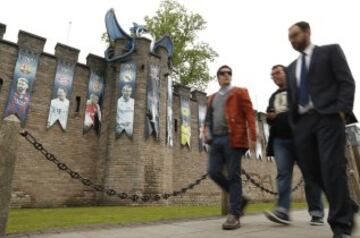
(321, 92)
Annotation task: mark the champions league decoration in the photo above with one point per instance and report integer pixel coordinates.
(114, 32)
(59, 106)
(125, 103)
(153, 102)
(21, 86)
(95, 97)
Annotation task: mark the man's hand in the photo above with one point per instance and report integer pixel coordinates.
(271, 115)
(207, 136)
(343, 116)
(253, 147)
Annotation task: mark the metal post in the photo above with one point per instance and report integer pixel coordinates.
(352, 144)
(224, 200)
(224, 203)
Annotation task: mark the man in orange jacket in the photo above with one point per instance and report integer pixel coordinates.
(229, 121)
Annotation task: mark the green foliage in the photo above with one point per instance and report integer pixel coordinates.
(25, 220)
(191, 58)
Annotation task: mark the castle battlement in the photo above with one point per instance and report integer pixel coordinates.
(119, 120)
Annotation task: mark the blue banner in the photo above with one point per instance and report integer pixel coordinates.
(94, 101)
(126, 85)
(59, 106)
(19, 98)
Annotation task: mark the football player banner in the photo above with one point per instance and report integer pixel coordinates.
(19, 98)
(259, 146)
(201, 122)
(59, 105)
(169, 112)
(126, 104)
(185, 117)
(94, 102)
(153, 102)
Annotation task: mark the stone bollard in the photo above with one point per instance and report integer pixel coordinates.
(224, 200)
(224, 203)
(9, 132)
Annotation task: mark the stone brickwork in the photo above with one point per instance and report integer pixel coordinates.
(136, 165)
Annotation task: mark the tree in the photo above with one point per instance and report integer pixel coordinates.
(191, 57)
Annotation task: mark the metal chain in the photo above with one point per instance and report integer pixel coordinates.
(100, 188)
(123, 195)
(254, 182)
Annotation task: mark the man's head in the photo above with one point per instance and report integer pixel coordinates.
(61, 93)
(224, 75)
(22, 85)
(299, 35)
(278, 75)
(127, 91)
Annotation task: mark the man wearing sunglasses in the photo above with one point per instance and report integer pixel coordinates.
(229, 121)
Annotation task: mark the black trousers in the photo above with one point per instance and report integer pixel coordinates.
(320, 144)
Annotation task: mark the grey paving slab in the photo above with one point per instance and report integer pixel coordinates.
(253, 226)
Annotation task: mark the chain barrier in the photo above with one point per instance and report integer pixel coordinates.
(123, 195)
(262, 188)
(100, 188)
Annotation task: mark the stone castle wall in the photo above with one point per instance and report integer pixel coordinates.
(136, 165)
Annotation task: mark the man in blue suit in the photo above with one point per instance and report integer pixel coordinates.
(321, 92)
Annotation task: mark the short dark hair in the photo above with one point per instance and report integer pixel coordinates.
(222, 67)
(303, 25)
(279, 65)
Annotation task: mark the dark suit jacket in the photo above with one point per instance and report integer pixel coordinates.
(330, 83)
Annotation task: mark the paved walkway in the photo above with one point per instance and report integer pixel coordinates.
(253, 226)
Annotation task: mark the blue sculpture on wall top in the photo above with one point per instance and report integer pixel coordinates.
(115, 32)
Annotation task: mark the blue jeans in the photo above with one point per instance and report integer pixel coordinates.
(285, 157)
(222, 154)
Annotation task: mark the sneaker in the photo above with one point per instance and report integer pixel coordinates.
(243, 205)
(317, 221)
(278, 217)
(341, 236)
(232, 222)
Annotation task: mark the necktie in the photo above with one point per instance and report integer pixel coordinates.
(303, 87)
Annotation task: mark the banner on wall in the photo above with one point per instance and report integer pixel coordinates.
(19, 98)
(259, 146)
(185, 117)
(153, 102)
(169, 113)
(201, 122)
(266, 133)
(126, 103)
(94, 100)
(59, 106)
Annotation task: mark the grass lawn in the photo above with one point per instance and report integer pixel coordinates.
(25, 220)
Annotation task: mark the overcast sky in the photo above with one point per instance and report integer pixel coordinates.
(250, 36)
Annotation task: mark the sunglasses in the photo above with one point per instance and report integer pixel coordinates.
(225, 72)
